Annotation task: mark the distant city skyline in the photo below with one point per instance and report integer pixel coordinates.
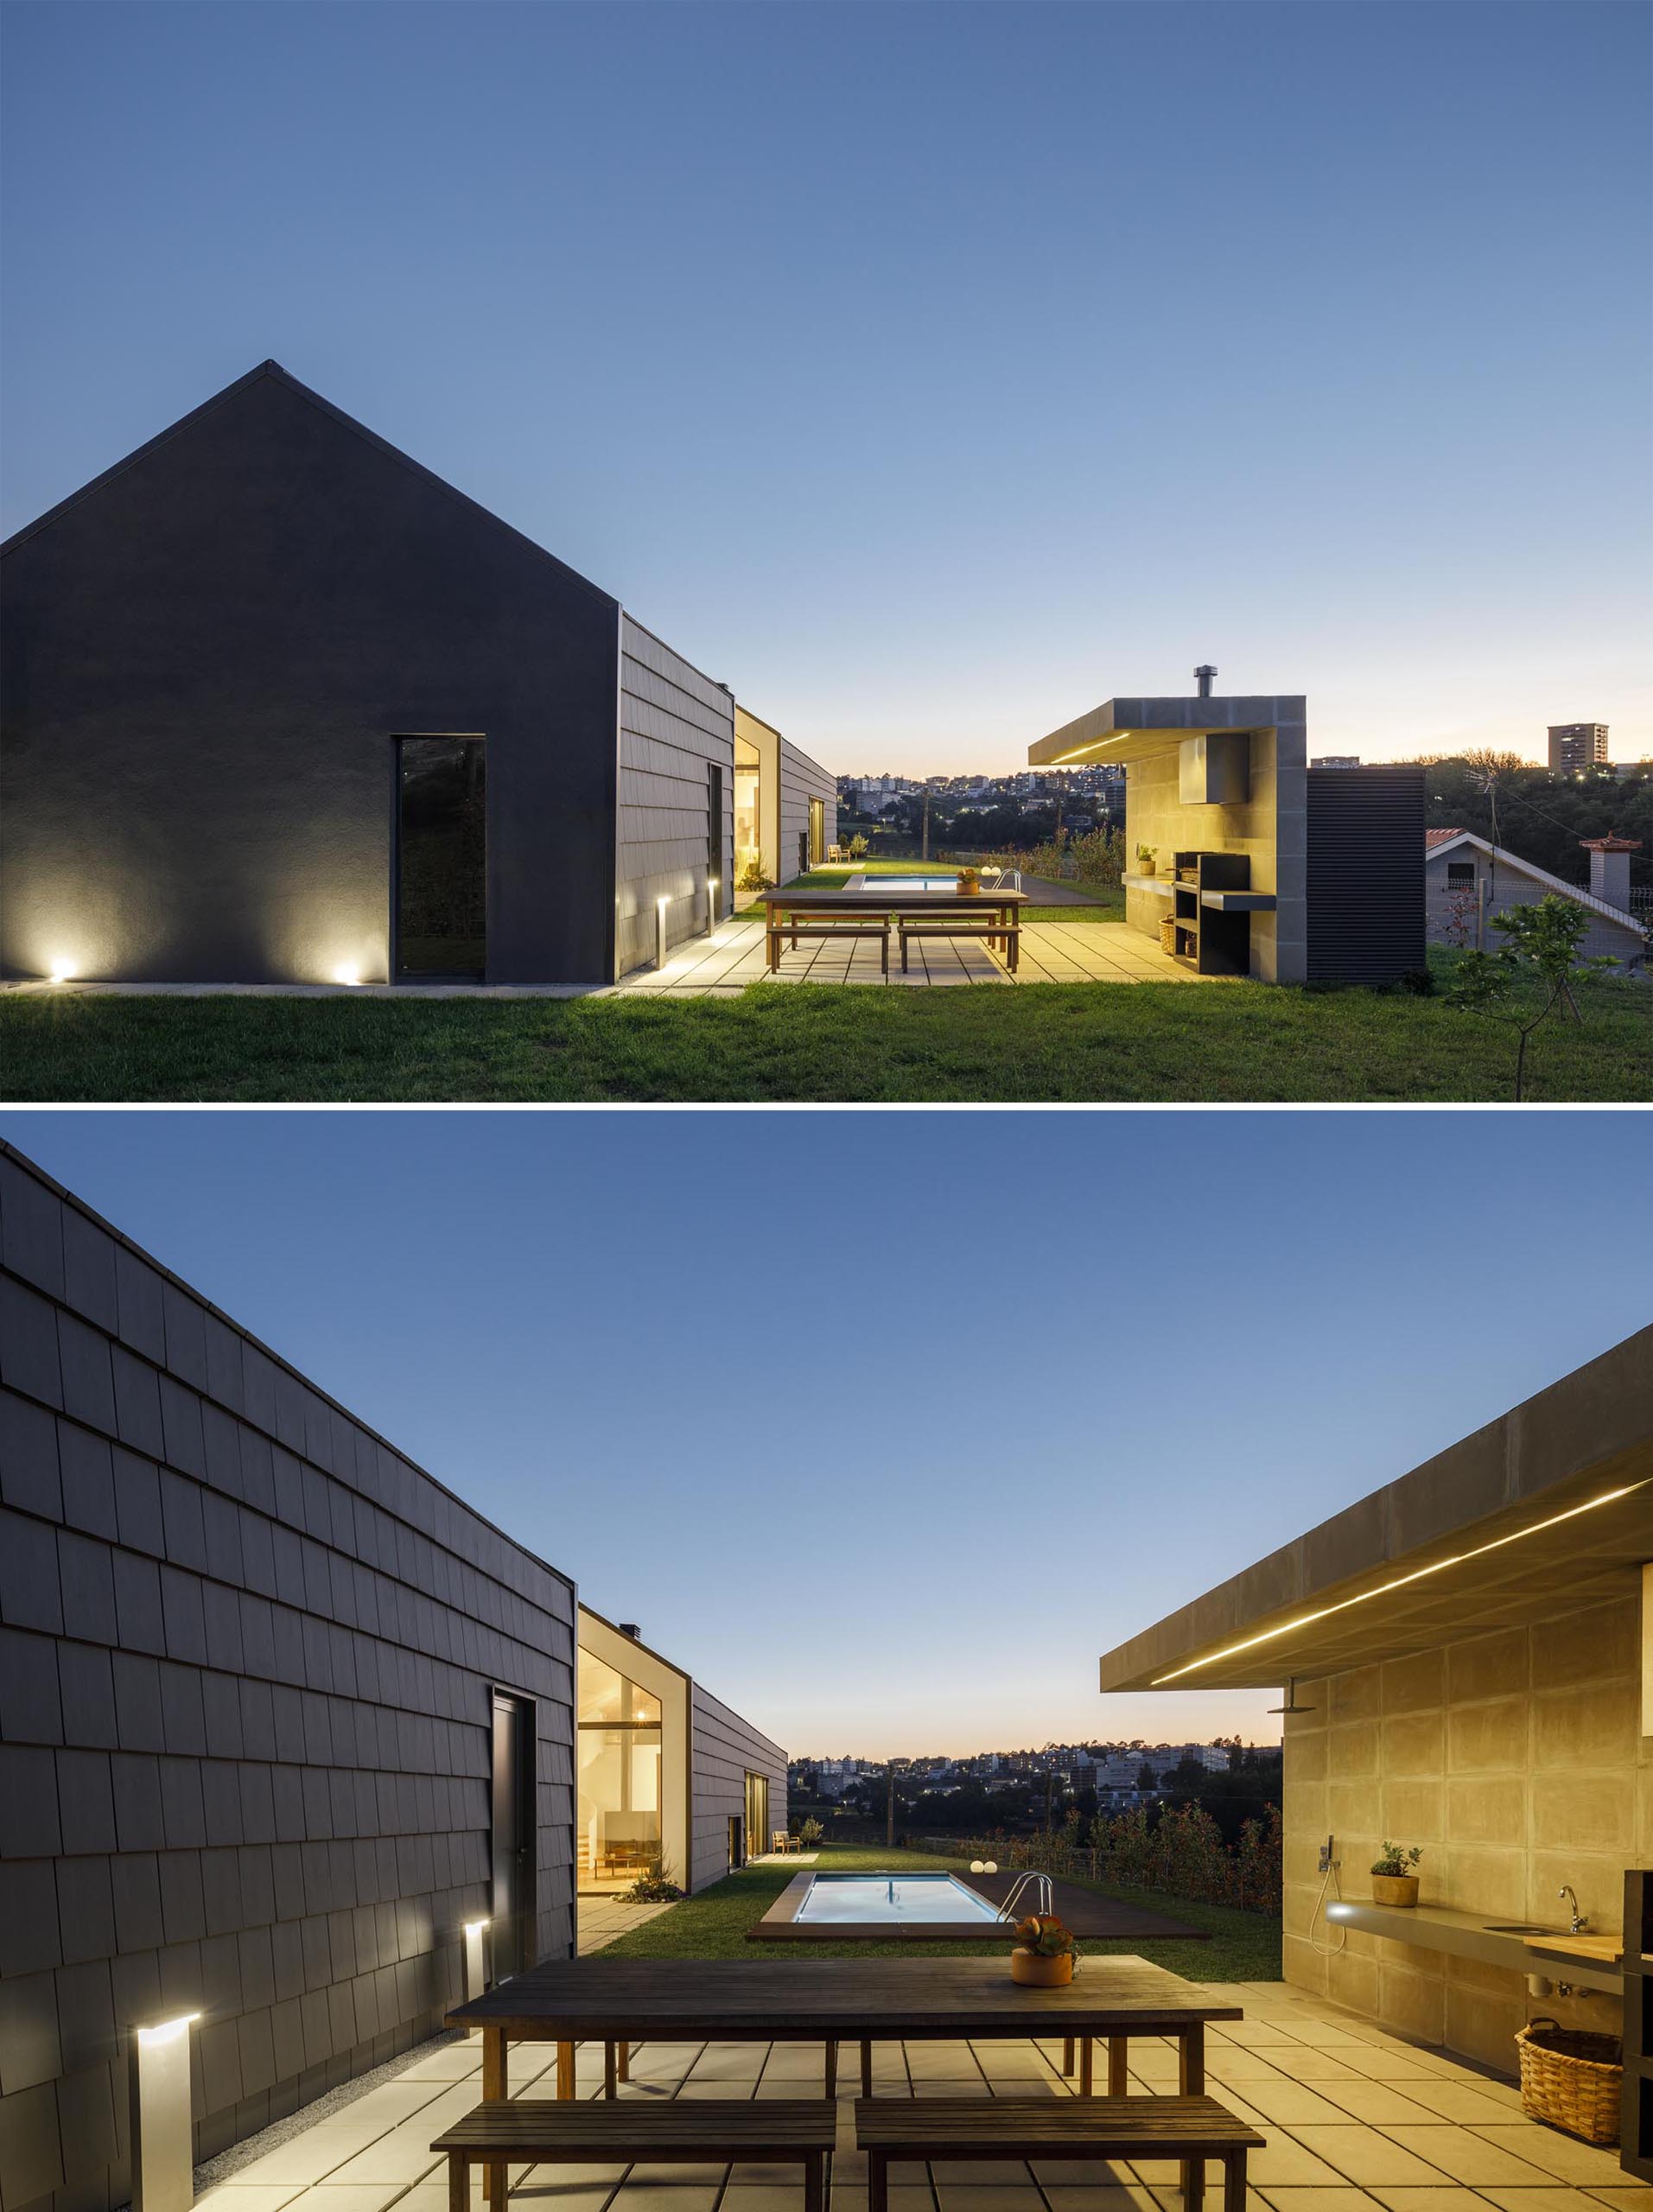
(922, 1528)
(986, 363)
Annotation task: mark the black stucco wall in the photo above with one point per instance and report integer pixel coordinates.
(206, 656)
(247, 1659)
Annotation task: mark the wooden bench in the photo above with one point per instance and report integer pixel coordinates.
(816, 923)
(681, 2132)
(993, 932)
(1192, 2129)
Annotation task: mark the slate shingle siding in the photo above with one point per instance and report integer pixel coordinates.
(247, 1653)
(725, 1749)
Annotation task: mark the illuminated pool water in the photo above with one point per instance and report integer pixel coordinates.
(894, 1898)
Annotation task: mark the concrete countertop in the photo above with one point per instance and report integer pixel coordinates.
(1467, 1935)
(1160, 886)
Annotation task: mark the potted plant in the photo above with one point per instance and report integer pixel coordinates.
(1146, 859)
(1392, 1883)
(1045, 1951)
(970, 883)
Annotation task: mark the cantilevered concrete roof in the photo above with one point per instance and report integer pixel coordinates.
(1552, 1502)
(1135, 729)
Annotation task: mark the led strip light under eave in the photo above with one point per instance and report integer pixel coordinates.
(1306, 1620)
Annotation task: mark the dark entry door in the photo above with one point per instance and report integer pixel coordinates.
(514, 1914)
(441, 857)
(713, 843)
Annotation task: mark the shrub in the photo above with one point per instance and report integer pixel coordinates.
(1180, 1854)
(652, 1889)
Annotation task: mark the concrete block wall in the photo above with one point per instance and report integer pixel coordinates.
(1515, 1759)
(723, 1750)
(247, 1653)
(674, 724)
(1271, 826)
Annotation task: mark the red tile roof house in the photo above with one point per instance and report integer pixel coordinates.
(1457, 863)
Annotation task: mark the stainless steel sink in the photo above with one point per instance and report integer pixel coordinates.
(1517, 1928)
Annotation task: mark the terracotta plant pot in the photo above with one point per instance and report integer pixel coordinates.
(1395, 1889)
(1038, 1972)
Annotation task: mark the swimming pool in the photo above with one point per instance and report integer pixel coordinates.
(874, 1908)
(895, 1897)
(881, 883)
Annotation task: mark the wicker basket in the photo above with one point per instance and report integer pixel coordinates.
(1573, 2078)
(1168, 935)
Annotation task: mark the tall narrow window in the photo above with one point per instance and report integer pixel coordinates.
(817, 831)
(441, 857)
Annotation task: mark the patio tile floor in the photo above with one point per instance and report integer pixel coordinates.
(722, 965)
(1400, 2130)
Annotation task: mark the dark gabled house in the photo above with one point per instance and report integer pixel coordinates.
(281, 706)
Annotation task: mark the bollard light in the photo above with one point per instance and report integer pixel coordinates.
(475, 1960)
(163, 2156)
(713, 886)
(660, 905)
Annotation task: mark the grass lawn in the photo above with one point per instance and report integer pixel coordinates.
(1071, 1042)
(1241, 1945)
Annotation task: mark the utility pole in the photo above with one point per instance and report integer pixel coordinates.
(889, 1825)
(923, 850)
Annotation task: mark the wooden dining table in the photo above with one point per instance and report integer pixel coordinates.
(869, 897)
(618, 2002)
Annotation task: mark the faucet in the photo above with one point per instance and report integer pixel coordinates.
(1579, 1920)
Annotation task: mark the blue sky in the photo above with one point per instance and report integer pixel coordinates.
(887, 1424)
(930, 372)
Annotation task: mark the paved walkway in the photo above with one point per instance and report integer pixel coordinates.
(1357, 2120)
(599, 1920)
(721, 966)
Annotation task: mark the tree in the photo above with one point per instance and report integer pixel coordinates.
(1146, 1777)
(1543, 948)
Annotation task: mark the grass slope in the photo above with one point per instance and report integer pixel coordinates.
(1241, 1945)
(1082, 1043)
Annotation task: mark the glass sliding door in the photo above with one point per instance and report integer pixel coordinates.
(441, 857)
(758, 1837)
(620, 1796)
(748, 835)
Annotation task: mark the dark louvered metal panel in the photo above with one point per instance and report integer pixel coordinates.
(1365, 874)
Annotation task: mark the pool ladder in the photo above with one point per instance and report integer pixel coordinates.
(1043, 1894)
